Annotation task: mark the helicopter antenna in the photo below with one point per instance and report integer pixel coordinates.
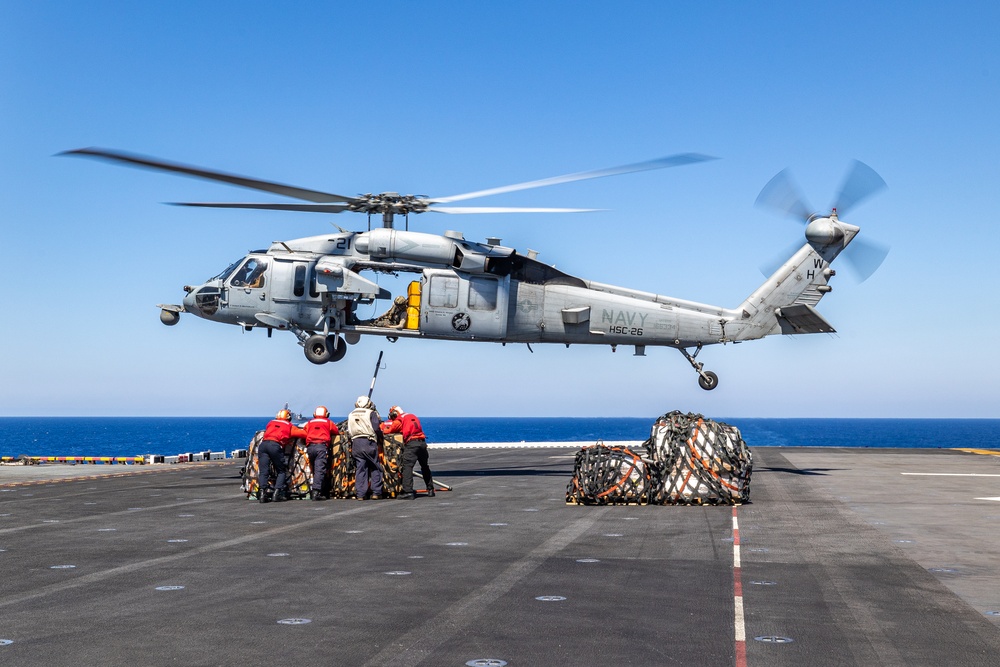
(378, 364)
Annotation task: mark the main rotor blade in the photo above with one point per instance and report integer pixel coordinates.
(232, 179)
(860, 183)
(783, 195)
(508, 209)
(310, 208)
(670, 161)
(864, 257)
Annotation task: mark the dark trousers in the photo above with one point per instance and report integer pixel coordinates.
(319, 461)
(366, 470)
(415, 451)
(269, 454)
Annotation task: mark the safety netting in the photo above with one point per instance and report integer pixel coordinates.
(688, 460)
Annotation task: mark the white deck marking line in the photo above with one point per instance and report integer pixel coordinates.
(997, 498)
(741, 633)
(739, 625)
(950, 474)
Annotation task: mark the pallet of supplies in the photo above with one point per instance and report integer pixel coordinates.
(390, 462)
(609, 476)
(341, 465)
(299, 469)
(700, 461)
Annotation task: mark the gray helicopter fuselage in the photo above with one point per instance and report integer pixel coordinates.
(487, 292)
(461, 290)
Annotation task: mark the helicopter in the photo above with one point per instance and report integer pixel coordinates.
(464, 290)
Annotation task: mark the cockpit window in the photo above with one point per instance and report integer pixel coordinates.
(226, 272)
(251, 274)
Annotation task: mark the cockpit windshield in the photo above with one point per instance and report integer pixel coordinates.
(226, 272)
(251, 274)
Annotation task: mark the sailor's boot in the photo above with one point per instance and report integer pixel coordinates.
(263, 495)
(430, 491)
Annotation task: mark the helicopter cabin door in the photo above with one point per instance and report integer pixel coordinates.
(248, 288)
(293, 290)
(463, 306)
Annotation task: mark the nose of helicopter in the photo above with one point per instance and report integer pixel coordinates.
(203, 300)
(189, 301)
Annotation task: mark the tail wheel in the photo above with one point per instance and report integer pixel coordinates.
(708, 380)
(317, 351)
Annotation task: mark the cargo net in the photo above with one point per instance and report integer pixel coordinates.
(609, 476)
(341, 465)
(340, 477)
(699, 461)
(299, 469)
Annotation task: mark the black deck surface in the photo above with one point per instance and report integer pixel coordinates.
(456, 578)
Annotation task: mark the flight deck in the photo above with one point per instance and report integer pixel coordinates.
(844, 556)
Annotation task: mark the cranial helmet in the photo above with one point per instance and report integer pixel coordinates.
(395, 411)
(284, 415)
(321, 412)
(363, 402)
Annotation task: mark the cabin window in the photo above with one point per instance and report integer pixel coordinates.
(299, 284)
(444, 292)
(313, 285)
(250, 274)
(482, 294)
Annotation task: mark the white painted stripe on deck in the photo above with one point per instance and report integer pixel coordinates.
(950, 474)
(531, 445)
(741, 633)
(996, 499)
(739, 624)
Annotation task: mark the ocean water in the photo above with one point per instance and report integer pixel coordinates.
(134, 436)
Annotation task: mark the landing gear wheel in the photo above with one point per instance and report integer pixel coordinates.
(708, 381)
(338, 348)
(317, 351)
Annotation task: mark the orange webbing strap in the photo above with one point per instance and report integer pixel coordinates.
(622, 478)
(701, 460)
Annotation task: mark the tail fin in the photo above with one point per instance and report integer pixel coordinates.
(786, 302)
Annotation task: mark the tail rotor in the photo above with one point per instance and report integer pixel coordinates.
(782, 194)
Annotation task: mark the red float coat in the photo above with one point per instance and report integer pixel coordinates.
(282, 432)
(320, 431)
(406, 424)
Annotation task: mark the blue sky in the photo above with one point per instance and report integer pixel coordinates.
(442, 98)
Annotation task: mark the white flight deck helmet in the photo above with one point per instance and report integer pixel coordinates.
(363, 402)
(321, 412)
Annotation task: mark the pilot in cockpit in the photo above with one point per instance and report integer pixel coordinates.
(251, 275)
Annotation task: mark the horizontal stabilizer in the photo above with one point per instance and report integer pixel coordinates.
(801, 318)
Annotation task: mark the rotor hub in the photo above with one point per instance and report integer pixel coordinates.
(824, 231)
(388, 202)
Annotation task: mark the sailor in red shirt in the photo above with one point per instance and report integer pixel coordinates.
(414, 449)
(278, 435)
(319, 439)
